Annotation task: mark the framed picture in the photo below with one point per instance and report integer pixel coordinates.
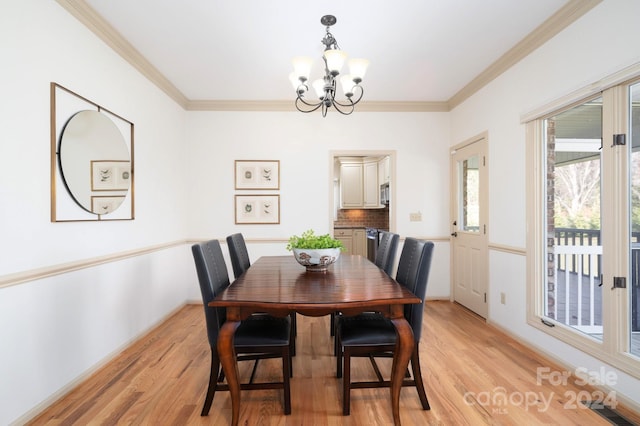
(257, 209)
(105, 204)
(110, 175)
(257, 174)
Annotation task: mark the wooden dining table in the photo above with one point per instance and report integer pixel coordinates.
(278, 285)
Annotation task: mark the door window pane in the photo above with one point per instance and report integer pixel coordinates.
(573, 294)
(470, 194)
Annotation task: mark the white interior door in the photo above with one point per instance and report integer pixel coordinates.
(469, 255)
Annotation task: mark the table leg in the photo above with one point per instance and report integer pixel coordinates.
(404, 349)
(227, 354)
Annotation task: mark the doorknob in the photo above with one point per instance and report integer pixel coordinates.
(454, 234)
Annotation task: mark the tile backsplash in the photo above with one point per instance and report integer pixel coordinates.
(372, 218)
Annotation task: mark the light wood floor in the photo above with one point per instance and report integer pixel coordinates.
(473, 375)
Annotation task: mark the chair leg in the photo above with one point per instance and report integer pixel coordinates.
(286, 374)
(290, 363)
(346, 384)
(417, 377)
(292, 335)
(213, 377)
(338, 355)
(253, 370)
(333, 324)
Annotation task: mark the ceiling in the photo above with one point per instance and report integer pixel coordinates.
(421, 51)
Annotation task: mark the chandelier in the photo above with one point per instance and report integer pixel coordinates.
(325, 87)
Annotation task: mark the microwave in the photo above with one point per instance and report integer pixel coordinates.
(384, 194)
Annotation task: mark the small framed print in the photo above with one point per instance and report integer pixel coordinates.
(105, 204)
(257, 209)
(257, 174)
(110, 175)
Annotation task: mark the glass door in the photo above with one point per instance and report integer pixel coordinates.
(633, 288)
(573, 293)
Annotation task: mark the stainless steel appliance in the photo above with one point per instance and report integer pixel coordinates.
(384, 194)
(372, 243)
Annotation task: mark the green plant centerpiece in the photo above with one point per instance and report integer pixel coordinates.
(315, 252)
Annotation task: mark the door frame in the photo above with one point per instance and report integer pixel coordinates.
(333, 154)
(483, 139)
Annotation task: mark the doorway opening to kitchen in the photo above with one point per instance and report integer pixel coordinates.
(362, 198)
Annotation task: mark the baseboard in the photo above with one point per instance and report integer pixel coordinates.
(622, 400)
(63, 391)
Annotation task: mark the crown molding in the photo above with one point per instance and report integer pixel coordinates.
(94, 22)
(234, 105)
(564, 17)
(568, 14)
(289, 106)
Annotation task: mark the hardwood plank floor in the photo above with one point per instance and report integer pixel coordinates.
(473, 374)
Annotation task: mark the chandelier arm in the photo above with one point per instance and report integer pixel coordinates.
(302, 89)
(361, 89)
(314, 107)
(351, 104)
(351, 101)
(311, 104)
(338, 106)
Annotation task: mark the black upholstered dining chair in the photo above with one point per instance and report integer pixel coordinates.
(239, 254)
(385, 258)
(371, 335)
(386, 254)
(240, 262)
(258, 337)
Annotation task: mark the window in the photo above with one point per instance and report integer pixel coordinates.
(573, 287)
(584, 236)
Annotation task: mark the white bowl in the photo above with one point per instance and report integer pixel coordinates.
(316, 260)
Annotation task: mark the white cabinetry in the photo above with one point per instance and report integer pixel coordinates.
(371, 187)
(346, 236)
(351, 185)
(360, 242)
(359, 187)
(354, 240)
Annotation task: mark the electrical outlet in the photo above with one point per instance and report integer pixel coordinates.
(503, 298)
(415, 217)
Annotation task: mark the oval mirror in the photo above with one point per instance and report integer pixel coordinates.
(94, 162)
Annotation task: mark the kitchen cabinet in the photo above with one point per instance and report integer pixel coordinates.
(371, 187)
(354, 240)
(359, 187)
(360, 242)
(351, 185)
(346, 236)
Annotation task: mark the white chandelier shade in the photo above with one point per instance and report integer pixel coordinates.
(302, 67)
(335, 60)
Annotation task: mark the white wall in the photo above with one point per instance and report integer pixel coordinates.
(54, 329)
(600, 43)
(302, 143)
